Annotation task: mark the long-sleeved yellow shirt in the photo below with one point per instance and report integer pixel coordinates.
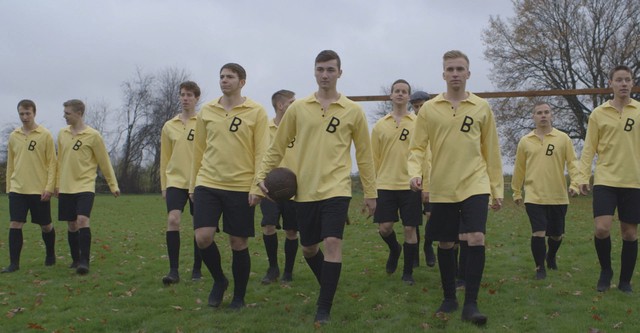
(540, 166)
(78, 159)
(229, 146)
(390, 147)
(176, 153)
(323, 139)
(615, 137)
(465, 151)
(31, 161)
(288, 161)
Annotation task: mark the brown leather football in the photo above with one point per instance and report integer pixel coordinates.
(281, 183)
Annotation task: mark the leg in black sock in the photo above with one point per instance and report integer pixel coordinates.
(446, 263)
(196, 271)
(241, 267)
(315, 263)
(628, 258)
(84, 243)
(173, 250)
(475, 268)
(271, 247)
(461, 263)
(410, 251)
(603, 249)
(15, 247)
(328, 287)
(394, 252)
(211, 259)
(74, 248)
(538, 250)
(290, 252)
(553, 246)
(49, 239)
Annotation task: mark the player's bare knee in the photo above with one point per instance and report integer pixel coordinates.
(83, 221)
(72, 226)
(204, 237)
(539, 234)
(269, 229)
(475, 239)
(238, 243)
(15, 225)
(291, 234)
(310, 251)
(628, 231)
(173, 220)
(385, 229)
(47, 228)
(557, 238)
(446, 245)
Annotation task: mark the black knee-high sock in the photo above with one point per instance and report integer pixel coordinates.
(538, 250)
(84, 242)
(417, 254)
(49, 239)
(290, 252)
(446, 263)
(628, 259)
(391, 241)
(410, 251)
(271, 246)
(197, 258)
(315, 263)
(603, 249)
(211, 259)
(173, 249)
(328, 285)
(15, 245)
(74, 247)
(553, 246)
(461, 260)
(475, 268)
(241, 267)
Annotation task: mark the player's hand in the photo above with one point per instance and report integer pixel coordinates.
(45, 196)
(56, 192)
(254, 199)
(263, 188)
(425, 197)
(369, 207)
(115, 193)
(164, 194)
(573, 192)
(584, 189)
(518, 201)
(416, 184)
(191, 196)
(496, 204)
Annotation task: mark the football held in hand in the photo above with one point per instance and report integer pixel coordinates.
(281, 183)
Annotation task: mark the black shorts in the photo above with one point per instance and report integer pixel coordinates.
(177, 198)
(426, 208)
(627, 200)
(237, 216)
(407, 202)
(20, 204)
(548, 218)
(70, 205)
(318, 220)
(272, 211)
(450, 219)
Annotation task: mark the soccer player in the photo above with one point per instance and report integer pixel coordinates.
(31, 170)
(176, 153)
(272, 211)
(466, 169)
(390, 146)
(541, 159)
(231, 137)
(613, 134)
(323, 125)
(80, 151)
(417, 99)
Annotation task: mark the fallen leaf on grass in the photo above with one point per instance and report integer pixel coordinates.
(378, 307)
(35, 326)
(287, 308)
(198, 301)
(577, 293)
(106, 247)
(13, 312)
(555, 315)
(629, 311)
(251, 305)
(425, 326)
(617, 325)
(38, 301)
(596, 317)
(177, 307)
(492, 291)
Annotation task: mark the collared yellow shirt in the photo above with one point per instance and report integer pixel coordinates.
(465, 151)
(31, 161)
(615, 138)
(390, 147)
(323, 139)
(78, 159)
(540, 166)
(176, 152)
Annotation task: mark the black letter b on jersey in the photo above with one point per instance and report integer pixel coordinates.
(234, 124)
(333, 125)
(32, 146)
(550, 149)
(466, 124)
(190, 136)
(77, 145)
(404, 134)
(629, 125)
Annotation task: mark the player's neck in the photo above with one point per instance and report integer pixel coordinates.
(456, 96)
(400, 110)
(619, 102)
(78, 127)
(542, 130)
(327, 96)
(228, 102)
(185, 115)
(278, 118)
(28, 127)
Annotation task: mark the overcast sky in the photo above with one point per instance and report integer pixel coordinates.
(52, 51)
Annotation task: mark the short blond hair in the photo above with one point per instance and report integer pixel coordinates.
(76, 105)
(454, 54)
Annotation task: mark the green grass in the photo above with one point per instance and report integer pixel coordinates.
(123, 292)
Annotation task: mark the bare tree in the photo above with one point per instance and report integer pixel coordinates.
(560, 44)
(97, 116)
(137, 107)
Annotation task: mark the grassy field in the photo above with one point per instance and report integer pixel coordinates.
(123, 292)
